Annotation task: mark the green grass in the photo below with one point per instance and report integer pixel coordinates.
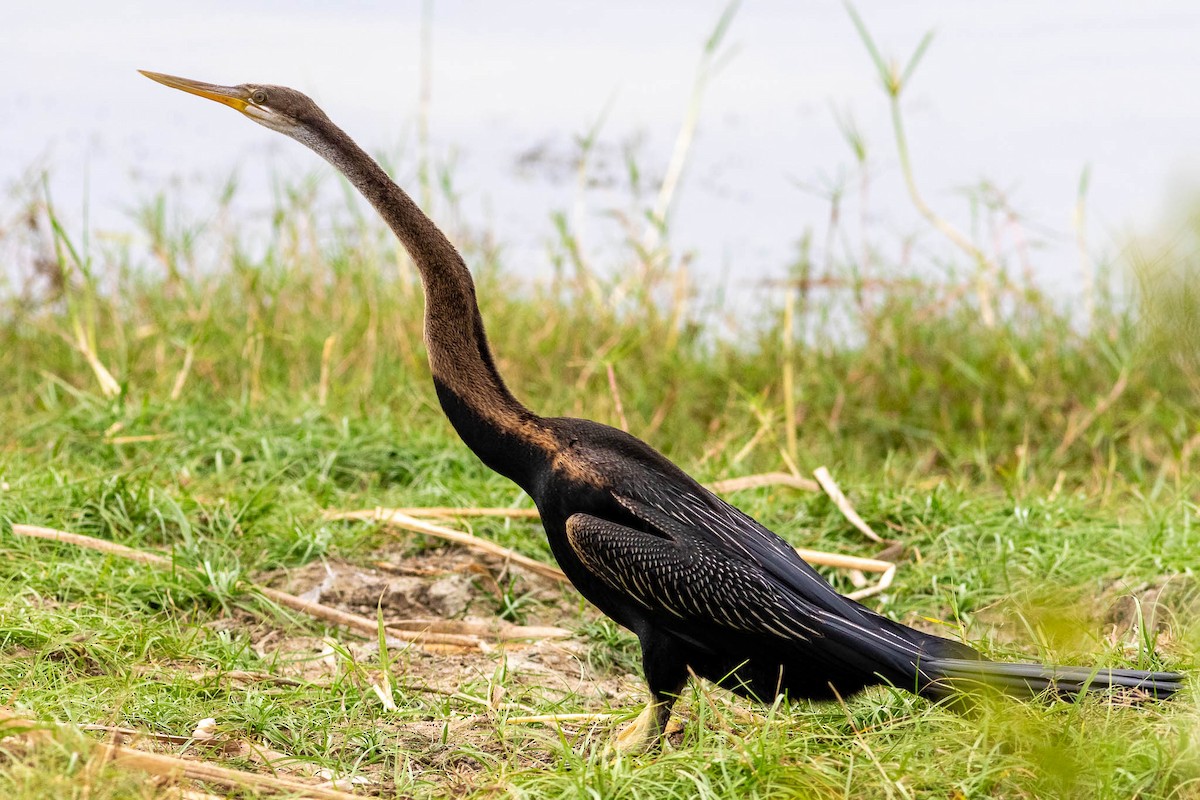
(1038, 473)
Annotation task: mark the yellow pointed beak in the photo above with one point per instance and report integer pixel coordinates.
(231, 96)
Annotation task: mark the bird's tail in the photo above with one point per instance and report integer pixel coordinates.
(951, 676)
(946, 669)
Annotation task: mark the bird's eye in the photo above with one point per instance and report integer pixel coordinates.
(259, 97)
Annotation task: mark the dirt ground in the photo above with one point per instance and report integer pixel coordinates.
(444, 586)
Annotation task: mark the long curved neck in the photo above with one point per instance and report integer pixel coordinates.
(501, 431)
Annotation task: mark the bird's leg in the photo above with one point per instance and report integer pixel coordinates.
(666, 673)
(645, 732)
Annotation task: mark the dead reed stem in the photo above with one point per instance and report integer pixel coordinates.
(835, 494)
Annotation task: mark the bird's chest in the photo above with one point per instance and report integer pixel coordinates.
(555, 512)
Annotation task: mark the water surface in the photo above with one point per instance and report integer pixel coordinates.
(1024, 94)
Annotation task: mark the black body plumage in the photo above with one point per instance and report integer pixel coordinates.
(706, 589)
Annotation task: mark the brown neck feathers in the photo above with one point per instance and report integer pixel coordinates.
(459, 356)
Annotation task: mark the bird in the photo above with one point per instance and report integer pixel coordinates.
(707, 590)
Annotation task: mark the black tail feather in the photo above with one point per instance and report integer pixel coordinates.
(948, 676)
